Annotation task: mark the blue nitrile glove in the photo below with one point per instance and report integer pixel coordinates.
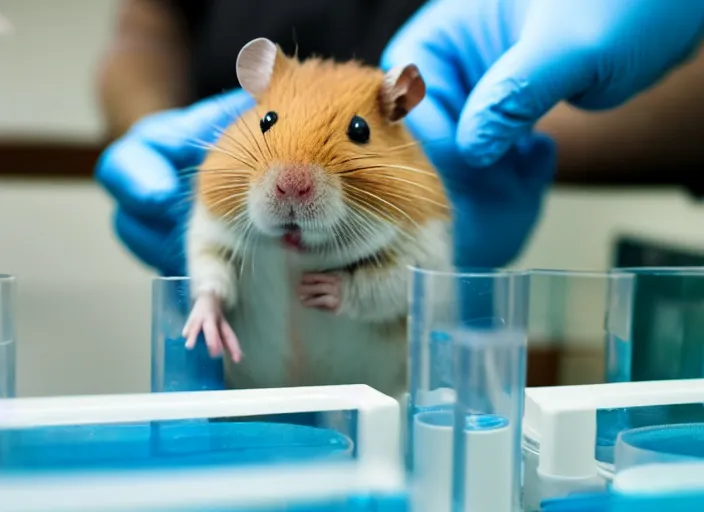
(148, 172)
(518, 58)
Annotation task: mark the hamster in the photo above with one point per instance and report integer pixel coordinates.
(307, 213)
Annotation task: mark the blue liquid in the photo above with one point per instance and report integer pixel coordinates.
(165, 445)
(361, 503)
(188, 370)
(618, 359)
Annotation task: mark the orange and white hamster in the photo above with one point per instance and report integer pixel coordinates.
(307, 213)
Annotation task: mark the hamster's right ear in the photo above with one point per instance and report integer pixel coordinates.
(256, 63)
(401, 90)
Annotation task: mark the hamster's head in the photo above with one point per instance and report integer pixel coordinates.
(322, 160)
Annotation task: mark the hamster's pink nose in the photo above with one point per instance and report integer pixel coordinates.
(294, 182)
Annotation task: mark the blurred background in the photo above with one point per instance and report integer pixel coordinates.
(84, 303)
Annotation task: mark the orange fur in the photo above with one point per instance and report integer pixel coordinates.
(388, 177)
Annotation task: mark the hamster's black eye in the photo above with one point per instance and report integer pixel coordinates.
(358, 130)
(268, 121)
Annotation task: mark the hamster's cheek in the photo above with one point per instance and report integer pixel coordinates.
(261, 210)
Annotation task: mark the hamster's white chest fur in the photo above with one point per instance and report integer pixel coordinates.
(286, 344)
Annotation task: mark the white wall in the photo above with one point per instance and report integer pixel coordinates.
(47, 67)
(84, 303)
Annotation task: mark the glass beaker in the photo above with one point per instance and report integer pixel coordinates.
(467, 345)
(8, 336)
(174, 368)
(665, 306)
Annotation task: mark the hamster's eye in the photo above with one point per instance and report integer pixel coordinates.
(268, 121)
(358, 130)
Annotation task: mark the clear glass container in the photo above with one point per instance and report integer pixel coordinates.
(173, 367)
(576, 323)
(8, 336)
(467, 343)
(665, 331)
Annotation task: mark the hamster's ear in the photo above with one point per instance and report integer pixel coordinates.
(255, 65)
(401, 90)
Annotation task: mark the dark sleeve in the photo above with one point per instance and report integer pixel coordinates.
(341, 29)
(191, 14)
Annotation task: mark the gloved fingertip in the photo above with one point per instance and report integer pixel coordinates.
(220, 109)
(480, 146)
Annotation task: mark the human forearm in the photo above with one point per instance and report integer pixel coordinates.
(144, 69)
(657, 132)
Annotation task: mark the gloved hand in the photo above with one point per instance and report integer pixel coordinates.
(148, 172)
(518, 58)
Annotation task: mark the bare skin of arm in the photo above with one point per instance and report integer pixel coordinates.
(659, 131)
(144, 69)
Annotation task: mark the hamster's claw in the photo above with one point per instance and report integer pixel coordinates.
(321, 291)
(207, 316)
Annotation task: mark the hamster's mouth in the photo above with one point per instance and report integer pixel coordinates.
(292, 236)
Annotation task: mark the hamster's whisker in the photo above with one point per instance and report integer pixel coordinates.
(237, 217)
(192, 171)
(360, 204)
(338, 237)
(409, 169)
(238, 145)
(403, 146)
(237, 115)
(246, 244)
(235, 173)
(376, 197)
(409, 182)
(253, 160)
(244, 123)
(229, 197)
(380, 216)
(250, 162)
(248, 135)
(224, 192)
(417, 143)
(362, 228)
(226, 187)
(397, 167)
(412, 198)
(266, 142)
(218, 149)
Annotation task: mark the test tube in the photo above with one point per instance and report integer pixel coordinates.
(8, 338)
(174, 368)
(467, 342)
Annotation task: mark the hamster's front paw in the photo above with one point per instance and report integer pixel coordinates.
(322, 291)
(207, 316)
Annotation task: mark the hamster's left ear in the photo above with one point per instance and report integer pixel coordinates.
(256, 64)
(401, 91)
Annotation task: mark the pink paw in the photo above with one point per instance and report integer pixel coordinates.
(321, 291)
(207, 316)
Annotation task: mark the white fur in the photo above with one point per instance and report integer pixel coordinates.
(208, 267)
(352, 347)
(379, 295)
